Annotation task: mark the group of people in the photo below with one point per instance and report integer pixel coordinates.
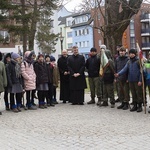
(19, 76)
(27, 75)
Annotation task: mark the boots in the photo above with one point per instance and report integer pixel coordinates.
(105, 103)
(92, 101)
(126, 106)
(139, 108)
(134, 108)
(99, 101)
(121, 106)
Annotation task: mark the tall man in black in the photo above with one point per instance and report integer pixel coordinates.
(76, 65)
(64, 77)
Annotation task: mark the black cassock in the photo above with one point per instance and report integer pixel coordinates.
(76, 64)
(64, 79)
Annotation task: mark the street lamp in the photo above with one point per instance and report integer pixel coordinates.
(61, 41)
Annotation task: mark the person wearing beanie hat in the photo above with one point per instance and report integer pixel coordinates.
(132, 69)
(41, 80)
(15, 55)
(55, 78)
(49, 94)
(103, 47)
(132, 51)
(93, 65)
(29, 79)
(15, 82)
(52, 58)
(3, 77)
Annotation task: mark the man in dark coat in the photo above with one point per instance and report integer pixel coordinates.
(64, 77)
(76, 65)
(93, 65)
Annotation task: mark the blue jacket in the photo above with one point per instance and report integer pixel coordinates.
(133, 69)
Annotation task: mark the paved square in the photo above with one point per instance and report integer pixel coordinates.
(69, 127)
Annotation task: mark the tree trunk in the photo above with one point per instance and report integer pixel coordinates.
(33, 26)
(24, 26)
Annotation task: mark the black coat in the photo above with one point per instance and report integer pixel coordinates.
(93, 66)
(50, 72)
(11, 74)
(41, 73)
(76, 64)
(63, 67)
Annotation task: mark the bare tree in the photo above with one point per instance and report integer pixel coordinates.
(116, 18)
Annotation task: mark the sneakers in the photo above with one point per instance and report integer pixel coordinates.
(15, 110)
(19, 109)
(41, 106)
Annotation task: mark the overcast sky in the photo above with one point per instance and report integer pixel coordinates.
(73, 3)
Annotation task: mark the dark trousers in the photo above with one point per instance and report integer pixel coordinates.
(18, 97)
(41, 97)
(54, 93)
(49, 93)
(6, 99)
(30, 98)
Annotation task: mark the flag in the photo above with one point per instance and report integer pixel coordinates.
(104, 62)
(140, 54)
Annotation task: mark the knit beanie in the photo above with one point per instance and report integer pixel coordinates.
(15, 55)
(47, 56)
(103, 47)
(52, 58)
(93, 49)
(133, 51)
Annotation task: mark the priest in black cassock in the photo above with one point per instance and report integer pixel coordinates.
(76, 66)
(64, 77)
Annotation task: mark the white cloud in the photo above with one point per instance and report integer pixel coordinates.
(72, 4)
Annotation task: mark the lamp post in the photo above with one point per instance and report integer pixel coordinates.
(61, 42)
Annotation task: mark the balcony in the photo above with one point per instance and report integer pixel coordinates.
(145, 32)
(145, 18)
(145, 46)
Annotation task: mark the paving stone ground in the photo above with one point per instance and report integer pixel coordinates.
(68, 127)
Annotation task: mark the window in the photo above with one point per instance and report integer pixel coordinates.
(79, 32)
(75, 33)
(4, 36)
(79, 44)
(83, 32)
(69, 34)
(69, 45)
(83, 43)
(99, 31)
(87, 30)
(132, 42)
(69, 23)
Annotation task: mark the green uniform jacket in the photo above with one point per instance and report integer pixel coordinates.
(3, 77)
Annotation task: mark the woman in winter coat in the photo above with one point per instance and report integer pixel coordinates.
(29, 78)
(41, 80)
(15, 82)
(3, 78)
(7, 59)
